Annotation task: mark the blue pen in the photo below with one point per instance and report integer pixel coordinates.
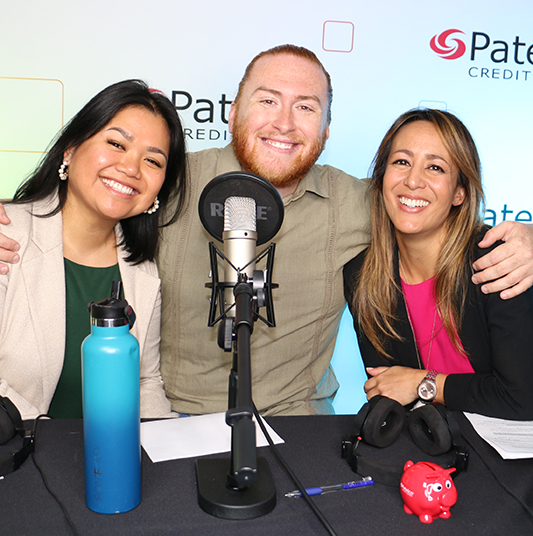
(367, 481)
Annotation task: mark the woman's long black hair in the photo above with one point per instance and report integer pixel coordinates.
(141, 232)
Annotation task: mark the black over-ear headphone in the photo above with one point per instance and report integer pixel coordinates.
(10, 425)
(381, 421)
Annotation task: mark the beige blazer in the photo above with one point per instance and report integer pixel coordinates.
(32, 315)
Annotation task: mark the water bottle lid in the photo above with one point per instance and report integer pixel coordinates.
(113, 311)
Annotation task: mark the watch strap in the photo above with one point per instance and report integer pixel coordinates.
(432, 375)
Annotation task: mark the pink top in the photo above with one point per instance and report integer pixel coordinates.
(426, 321)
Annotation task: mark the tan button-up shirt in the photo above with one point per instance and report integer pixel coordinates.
(326, 224)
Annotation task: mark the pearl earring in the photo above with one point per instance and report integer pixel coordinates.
(154, 207)
(63, 171)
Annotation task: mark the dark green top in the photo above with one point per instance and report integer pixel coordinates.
(83, 284)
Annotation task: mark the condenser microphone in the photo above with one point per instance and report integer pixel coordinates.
(242, 210)
(239, 238)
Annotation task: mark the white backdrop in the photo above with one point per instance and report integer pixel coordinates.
(55, 55)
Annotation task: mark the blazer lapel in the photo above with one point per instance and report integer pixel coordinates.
(44, 278)
(140, 289)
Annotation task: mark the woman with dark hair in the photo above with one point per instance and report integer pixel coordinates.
(88, 215)
(425, 331)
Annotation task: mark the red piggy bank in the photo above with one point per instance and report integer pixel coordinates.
(427, 490)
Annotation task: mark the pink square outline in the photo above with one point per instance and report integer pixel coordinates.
(338, 22)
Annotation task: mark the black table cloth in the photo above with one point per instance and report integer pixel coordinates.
(312, 448)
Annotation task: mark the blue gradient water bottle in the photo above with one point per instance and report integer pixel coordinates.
(111, 407)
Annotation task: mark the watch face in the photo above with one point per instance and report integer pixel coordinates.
(427, 390)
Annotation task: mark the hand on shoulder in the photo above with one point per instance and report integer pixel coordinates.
(508, 268)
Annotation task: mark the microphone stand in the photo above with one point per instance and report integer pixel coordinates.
(242, 488)
(243, 467)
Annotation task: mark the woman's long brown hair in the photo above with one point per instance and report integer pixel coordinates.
(376, 297)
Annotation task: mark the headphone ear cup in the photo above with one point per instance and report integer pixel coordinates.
(7, 425)
(429, 430)
(384, 423)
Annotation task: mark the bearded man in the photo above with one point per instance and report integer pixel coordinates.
(280, 123)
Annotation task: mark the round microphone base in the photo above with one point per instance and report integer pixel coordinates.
(215, 498)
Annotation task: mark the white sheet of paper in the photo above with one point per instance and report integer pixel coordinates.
(513, 440)
(190, 437)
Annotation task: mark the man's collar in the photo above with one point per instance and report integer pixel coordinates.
(311, 183)
(227, 161)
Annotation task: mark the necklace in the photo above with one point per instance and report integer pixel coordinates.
(402, 269)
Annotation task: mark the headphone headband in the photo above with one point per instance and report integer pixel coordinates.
(381, 421)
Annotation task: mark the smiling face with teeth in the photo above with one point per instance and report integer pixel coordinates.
(118, 172)
(279, 123)
(420, 185)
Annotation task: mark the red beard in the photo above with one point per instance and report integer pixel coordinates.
(291, 175)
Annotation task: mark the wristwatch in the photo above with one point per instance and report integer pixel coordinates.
(427, 388)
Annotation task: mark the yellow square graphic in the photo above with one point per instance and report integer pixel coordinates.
(31, 114)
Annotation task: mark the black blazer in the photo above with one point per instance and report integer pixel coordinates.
(496, 333)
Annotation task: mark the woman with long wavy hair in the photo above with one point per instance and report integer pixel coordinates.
(425, 331)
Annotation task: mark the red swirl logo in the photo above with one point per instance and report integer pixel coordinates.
(447, 47)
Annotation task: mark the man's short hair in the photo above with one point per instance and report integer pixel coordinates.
(295, 50)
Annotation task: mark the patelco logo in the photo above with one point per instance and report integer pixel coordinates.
(497, 59)
(447, 47)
